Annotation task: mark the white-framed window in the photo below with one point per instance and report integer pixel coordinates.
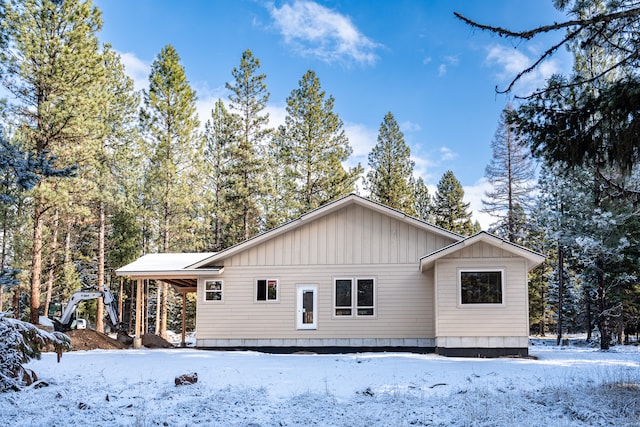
(266, 289)
(354, 297)
(213, 290)
(481, 286)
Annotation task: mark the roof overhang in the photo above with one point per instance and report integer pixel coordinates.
(533, 258)
(172, 268)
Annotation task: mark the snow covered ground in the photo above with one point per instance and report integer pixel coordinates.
(568, 386)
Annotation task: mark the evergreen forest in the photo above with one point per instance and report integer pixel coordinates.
(95, 174)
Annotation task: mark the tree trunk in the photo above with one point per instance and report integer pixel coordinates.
(52, 263)
(36, 259)
(3, 260)
(159, 295)
(560, 293)
(120, 301)
(602, 315)
(100, 302)
(589, 320)
(541, 332)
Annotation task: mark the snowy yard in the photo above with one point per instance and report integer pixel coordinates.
(563, 387)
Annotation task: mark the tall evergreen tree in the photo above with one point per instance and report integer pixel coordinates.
(117, 130)
(248, 100)
(511, 175)
(169, 124)
(52, 66)
(318, 146)
(449, 210)
(390, 179)
(424, 208)
(220, 136)
(281, 203)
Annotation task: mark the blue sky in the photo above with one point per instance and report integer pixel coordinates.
(410, 57)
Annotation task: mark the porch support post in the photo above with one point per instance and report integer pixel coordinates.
(184, 319)
(137, 340)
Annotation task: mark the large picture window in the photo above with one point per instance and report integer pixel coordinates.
(354, 297)
(266, 290)
(213, 290)
(481, 287)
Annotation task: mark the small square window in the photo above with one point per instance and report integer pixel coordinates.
(213, 290)
(266, 290)
(481, 287)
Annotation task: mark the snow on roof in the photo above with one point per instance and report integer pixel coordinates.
(163, 262)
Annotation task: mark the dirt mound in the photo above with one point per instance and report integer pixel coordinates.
(154, 341)
(88, 339)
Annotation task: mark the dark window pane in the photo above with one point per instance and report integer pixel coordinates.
(272, 290)
(365, 312)
(343, 293)
(343, 312)
(365, 293)
(262, 290)
(481, 287)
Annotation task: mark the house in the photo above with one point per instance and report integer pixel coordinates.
(355, 275)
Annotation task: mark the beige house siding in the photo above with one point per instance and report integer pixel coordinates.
(351, 235)
(403, 306)
(455, 320)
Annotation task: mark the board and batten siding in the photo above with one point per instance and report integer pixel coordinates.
(403, 304)
(352, 235)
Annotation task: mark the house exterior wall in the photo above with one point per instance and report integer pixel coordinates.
(352, 242)
(403, 313)
(482, 326)
(352, 235)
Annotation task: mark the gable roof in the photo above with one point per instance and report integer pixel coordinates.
(323, 210)
(533, 258)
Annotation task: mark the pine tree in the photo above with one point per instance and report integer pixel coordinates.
(220, 134)
(318, 146)
(424, 208)
(52, 66)
(390, 179)
(449, 210)
(511, 175)
(248, 100)
(170, 125)
(280, 204)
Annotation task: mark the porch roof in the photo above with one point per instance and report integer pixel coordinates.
(172, 268)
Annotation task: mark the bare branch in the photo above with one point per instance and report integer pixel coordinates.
(527, 35)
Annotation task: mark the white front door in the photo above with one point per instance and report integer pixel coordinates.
(307, 316)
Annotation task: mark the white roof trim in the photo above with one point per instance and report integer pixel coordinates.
(533, 258)
(167, 264)
(321, 211)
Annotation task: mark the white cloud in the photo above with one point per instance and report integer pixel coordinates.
(314, 30)
(409, 126)
(512, 61)
(473, 194)
(447, 154)
(137, 69)
(277, 114)
(449, 61)
(362, 139)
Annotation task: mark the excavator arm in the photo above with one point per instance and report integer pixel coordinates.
(64, 323)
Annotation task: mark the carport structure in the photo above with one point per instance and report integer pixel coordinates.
(174, 269)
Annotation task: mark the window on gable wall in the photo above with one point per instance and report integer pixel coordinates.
(354, 297)
(481, 287)
(266, 290)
